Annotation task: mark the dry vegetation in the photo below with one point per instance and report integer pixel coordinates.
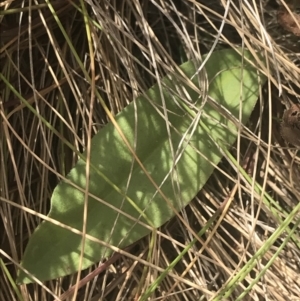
(46, 54)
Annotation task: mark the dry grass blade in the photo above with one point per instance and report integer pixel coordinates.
(288, 18)
(134, 44)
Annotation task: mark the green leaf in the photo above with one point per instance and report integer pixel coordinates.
(53, 251)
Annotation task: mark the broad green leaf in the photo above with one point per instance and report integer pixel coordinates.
(54, 252)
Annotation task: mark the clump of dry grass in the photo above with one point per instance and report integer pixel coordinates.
(133, 44)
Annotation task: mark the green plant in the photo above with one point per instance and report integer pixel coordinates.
(145, 167)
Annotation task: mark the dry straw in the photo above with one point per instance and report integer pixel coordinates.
(46, 51)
